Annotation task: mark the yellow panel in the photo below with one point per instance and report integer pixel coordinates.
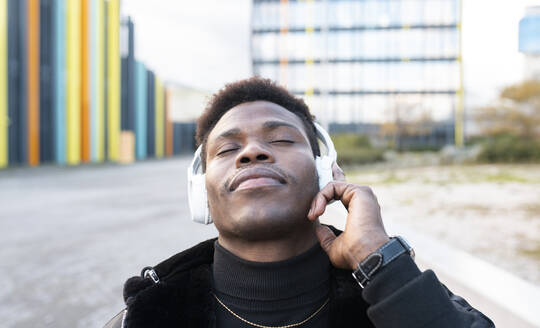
(32, 61)
(85, 83)
(3, 86)
(113, 67)
(73, 85)
(159, 119)
(100, 81)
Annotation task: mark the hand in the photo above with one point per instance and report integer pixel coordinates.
(364, 231)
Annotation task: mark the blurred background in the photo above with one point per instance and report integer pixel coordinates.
(433, 103)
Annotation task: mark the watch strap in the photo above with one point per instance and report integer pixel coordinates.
(380, 258)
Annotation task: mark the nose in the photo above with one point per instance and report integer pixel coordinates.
(252, 153)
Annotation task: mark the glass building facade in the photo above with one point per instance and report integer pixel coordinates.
(364, 61)
(529, 32)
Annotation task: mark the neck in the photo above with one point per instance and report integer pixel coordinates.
(271, 250)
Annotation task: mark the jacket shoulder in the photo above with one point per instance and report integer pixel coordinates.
(172, 268)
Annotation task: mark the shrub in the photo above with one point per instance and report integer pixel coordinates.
(509, 149)
(360, 156)
(354, 149)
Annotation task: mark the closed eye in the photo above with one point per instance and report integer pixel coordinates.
(282, 141)
(223, 152)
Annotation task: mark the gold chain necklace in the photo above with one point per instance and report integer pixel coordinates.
(263, 326)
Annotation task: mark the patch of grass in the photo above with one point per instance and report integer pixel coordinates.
(531, 252)
(447, 175)
(392, 178)
(503, 176)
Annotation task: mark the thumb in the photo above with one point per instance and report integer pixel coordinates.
(326, 237)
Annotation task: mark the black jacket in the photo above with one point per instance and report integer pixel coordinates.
(183, 297)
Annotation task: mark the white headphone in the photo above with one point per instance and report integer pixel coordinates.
(198, 202)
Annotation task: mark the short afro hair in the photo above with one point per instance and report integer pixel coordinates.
(248, 90)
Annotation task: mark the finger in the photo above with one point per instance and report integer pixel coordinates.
(324, 196)
(318, 206)
(337, 172)
(326, 238)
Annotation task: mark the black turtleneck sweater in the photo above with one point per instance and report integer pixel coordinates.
(271, 293)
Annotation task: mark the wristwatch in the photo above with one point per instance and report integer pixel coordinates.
(366, 269)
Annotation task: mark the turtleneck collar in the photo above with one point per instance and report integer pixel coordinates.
(270, 281)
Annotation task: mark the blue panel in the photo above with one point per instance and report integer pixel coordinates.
(177, 142)
(46, 76)
(151, 115)
(128, 77)
(14, 77)
(131, 76)
(60, 80)
(124, 92)
(529, 34)
(141, 103)
(17, 81)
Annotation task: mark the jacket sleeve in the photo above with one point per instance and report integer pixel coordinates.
(402, 296)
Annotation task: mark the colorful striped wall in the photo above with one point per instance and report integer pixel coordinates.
(71, 90)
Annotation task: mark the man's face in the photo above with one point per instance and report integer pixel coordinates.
(260, 172)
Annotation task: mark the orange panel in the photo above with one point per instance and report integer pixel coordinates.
(168, 125)
(85, 84)
(33, 82)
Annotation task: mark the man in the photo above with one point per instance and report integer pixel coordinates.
(273, 264)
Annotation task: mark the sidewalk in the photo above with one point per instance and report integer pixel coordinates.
(508, 300)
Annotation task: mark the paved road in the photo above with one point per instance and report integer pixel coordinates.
(72, 235)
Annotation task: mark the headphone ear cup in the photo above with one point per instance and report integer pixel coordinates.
(198, 201)
(324, 170)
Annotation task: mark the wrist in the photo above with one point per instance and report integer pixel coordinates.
(380, 258)
(362, 249)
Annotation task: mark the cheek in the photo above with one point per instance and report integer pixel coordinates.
(212, 183)
(307, 175)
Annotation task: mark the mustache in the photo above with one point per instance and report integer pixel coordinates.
(288, 178)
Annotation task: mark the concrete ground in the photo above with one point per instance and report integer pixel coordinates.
(72, 235)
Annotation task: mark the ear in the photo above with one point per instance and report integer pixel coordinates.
(337, 172)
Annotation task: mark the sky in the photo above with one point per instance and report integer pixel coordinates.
(205, 43)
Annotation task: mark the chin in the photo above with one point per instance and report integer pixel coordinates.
(255, 223)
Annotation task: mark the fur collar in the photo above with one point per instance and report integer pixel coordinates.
(183, 297)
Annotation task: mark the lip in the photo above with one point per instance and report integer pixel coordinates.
(256, 173)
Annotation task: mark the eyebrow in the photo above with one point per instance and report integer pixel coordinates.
(229, 133)
(269, 125)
